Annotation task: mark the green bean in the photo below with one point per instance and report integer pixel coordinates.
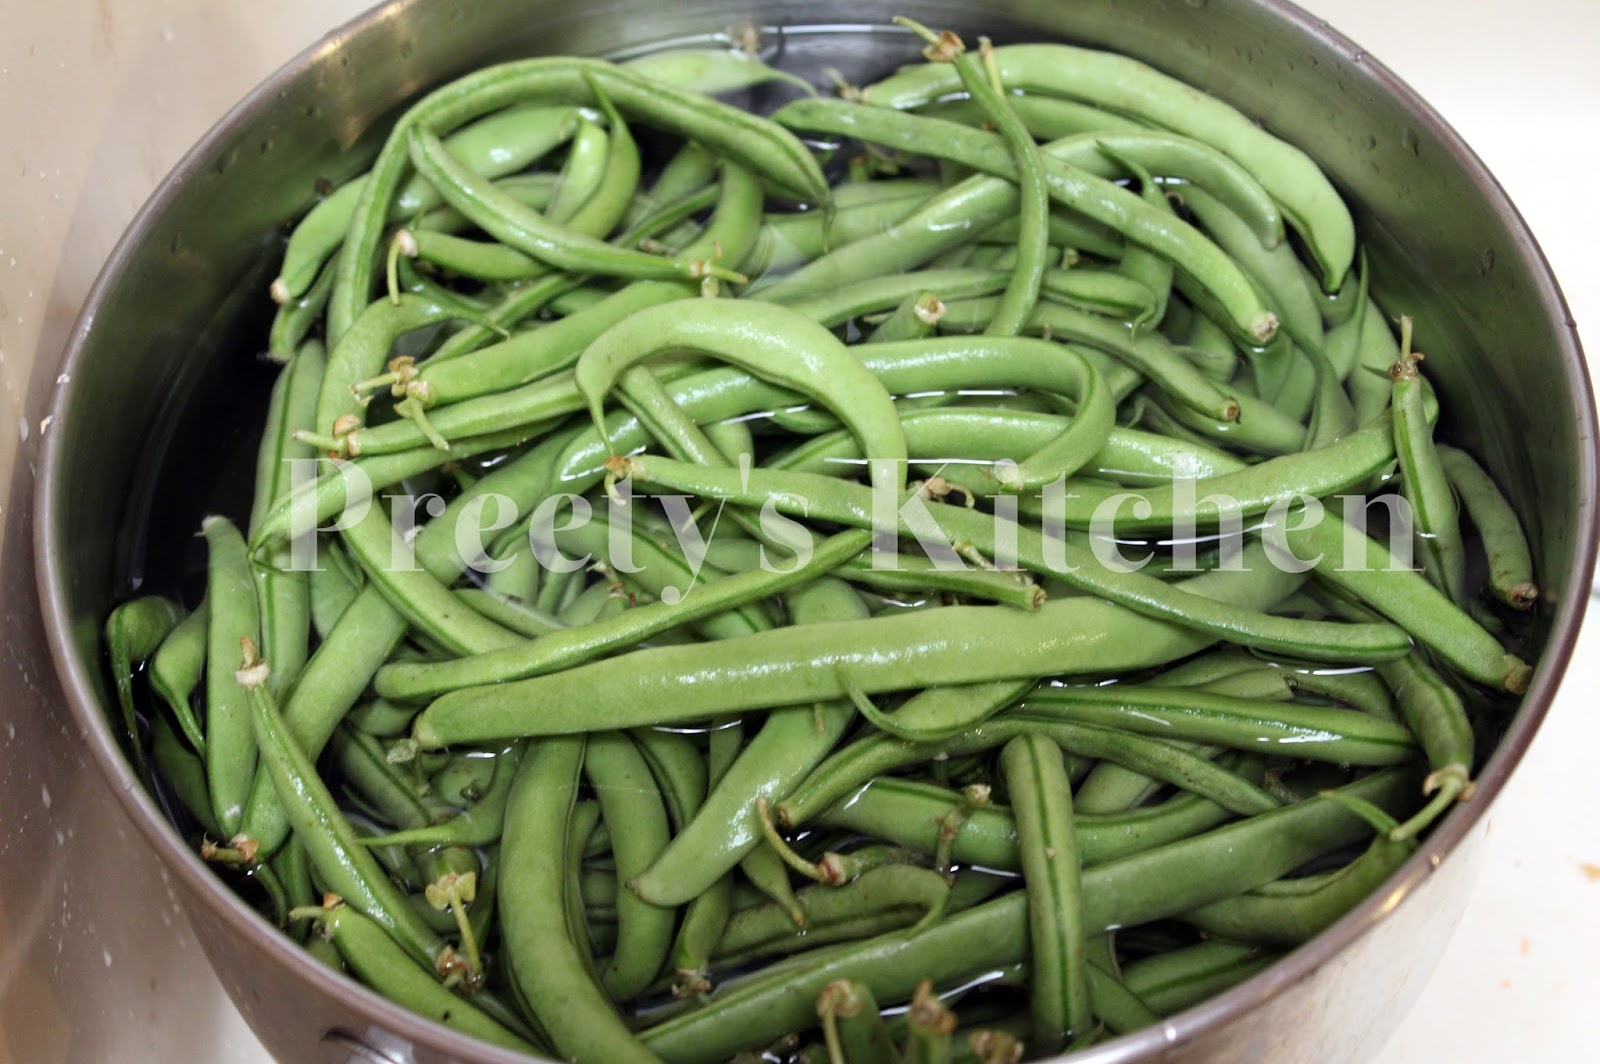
(1131, 88)
(183, 772)
(982, 83)
(581, 173)
(1376, 351)
(790, 743)
(1095, 197)
(852, 1025)
(1275, 269)
(1333, 735)
(1149, 270)
(806, 494)
(562, 247)
(765, 870)
(1367, 572)
(361, 352)
(1290, 912)
(282, 593)
(771, 341)
(632, 806)
(416, 594)
(930, 1027)
(295, 319)
(1435, 518)
(789, 240)
(750, 140)
(712, 71)
(1042, 806)
(1149, 355)
(176, 670)
(1171, 982)
(232, 615)
(343, 865)
(572, 646)
(1435, 715)
(498, 144)
(1361, 690)
(893, 896)
(524, 620)
(958, 644)
(478, 825)
(1133, 890)
(532, 189)
(1510, 564)
(907, 813)
(944, 436)
(376, 960)
(332, 681)
(879, 293)
(679, 770)
(572, 1008)
(377, 784)
(349, 483)
(133, 633)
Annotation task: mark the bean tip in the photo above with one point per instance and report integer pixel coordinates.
(1518, 673)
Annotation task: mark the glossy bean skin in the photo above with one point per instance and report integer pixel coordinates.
(633, 807)
(1173, 981)
(754, 142)
(1132, 890)
(232, 615)
(562, 247)
(177, 668)
(133, 633)
(1041, 798)
(1097, 198)
(789, 744)
(1510, 563)
(1350, 738)
(952, 645)
(332, 681)
(906, 813)
(1292, 911)
(1309, 201)
(807, 495)
(283, 594)
(1436, 518)
(344, 866)
(573, 1009)
(498, 144)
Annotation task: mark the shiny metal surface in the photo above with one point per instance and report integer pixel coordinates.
(1383, 150)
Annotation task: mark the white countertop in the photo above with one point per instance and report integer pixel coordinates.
(1520, 82)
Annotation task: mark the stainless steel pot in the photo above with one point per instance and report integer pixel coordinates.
(169, 320)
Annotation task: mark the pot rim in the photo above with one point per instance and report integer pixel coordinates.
(94, 727)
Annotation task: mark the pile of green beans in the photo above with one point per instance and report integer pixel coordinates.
(699, 755)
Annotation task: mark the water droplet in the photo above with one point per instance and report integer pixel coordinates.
(169, 34)
(1486, 261)
(1369, 142)
(1412, 142)
(44, 793)
(105, 955)
(22, 430)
